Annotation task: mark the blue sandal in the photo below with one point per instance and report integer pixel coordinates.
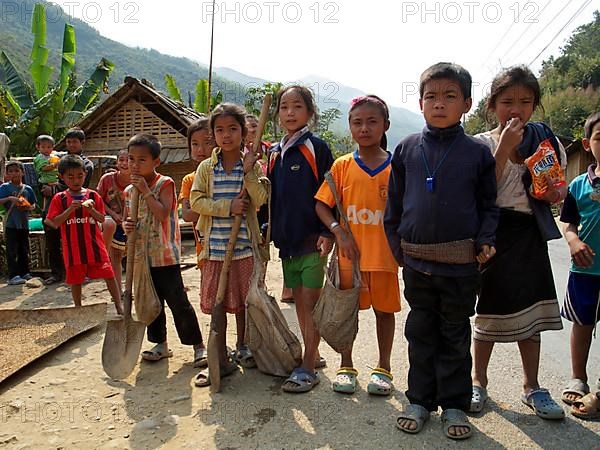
(543, 405)
(301, 380)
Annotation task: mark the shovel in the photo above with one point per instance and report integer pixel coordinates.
(216, 324)
(123, 338)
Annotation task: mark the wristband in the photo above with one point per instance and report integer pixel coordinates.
(333, 225)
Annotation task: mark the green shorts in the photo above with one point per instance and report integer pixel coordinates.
(306, 270)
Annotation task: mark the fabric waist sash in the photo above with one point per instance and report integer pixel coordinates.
(455, 252)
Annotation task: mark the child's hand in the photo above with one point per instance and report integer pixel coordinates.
(346, 244)
(324, 245)
(249, 160)
(487, 252)
(552, 194)
(581, 253)
(13, 199)
(239, 205)
(89, 203)
(512, 133)
(75, 204)
(140, 183)
(129, 226)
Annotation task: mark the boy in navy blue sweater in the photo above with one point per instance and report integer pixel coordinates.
(440, 221)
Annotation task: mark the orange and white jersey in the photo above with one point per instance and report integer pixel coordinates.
(363, 195)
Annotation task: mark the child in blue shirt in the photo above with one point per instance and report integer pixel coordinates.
(18, 199)
(581, 215)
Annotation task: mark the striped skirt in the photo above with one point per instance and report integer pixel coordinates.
(518, 298)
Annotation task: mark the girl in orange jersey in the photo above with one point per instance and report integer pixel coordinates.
(361, 180)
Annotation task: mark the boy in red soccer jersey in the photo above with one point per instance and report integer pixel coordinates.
(77, 212)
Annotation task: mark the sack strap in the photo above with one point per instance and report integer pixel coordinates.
(344, 224)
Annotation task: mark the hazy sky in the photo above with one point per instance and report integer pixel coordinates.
(377, 46)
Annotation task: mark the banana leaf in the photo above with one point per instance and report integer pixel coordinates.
(172, 88)
(40, 71)
(68, 58)
(15, 84)
(97, 82)
(216, 100)
(201, 101)
(9, 104)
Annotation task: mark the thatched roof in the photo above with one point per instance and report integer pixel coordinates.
(175, 114)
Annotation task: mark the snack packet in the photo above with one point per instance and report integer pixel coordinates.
(544, 163)
(23, 204)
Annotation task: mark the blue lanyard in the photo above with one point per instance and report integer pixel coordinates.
(430, 180)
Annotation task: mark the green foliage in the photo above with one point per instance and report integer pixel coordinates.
(201, 100)
(53, 108)
(172, 88)
(479, 120)
(253, 105)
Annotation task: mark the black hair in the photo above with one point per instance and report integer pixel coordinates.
(448, 71)
(590, 123)
(75, 133)
(70, 161)
(44, 138)
(232, 110)
(19, 165)
(201, 124)
(514, 76)
(307, 97)
(382, 106)
(146, 140)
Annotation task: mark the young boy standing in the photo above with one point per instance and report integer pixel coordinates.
(581, 215)
(158, 228)
(16, 224)
(77, 212)
(440, 221)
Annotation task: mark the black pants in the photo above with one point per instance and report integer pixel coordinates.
(17, 252)
(54, 250)
(169, 287)
(439, 339)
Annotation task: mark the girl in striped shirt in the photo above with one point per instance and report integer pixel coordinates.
(218, 194)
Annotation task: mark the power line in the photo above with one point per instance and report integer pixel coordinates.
(533, 22)
(579, 11)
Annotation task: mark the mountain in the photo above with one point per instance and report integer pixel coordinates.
(331, 94)
(16, 40)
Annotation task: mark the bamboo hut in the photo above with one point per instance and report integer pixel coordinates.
(137, 107)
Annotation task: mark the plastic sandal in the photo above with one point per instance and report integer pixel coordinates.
(320, 363)
(417, 414)
(478, 399)
(301, 380)
(200, 357)
(243, 356)
(575, 387)
(381, 382)
(203, 377)
(156, 353)
(455, 418)
(590, 404)
(345, 380)
(543, 405)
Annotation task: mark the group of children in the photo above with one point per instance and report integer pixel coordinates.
(454, 211)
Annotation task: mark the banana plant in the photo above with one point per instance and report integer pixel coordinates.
(200, 103)
(46, 108)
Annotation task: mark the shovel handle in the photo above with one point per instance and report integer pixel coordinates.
(131, 239)
(262, 122)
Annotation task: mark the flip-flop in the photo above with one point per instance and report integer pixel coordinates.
(456, 418)
(478, 398)
(51, 280)
(381, 382)
(543, 404)
(345, 380)
(591, 403)
(203, 377)
(156, 353)
(417, 414)
(574, 387)
(287, 299)
(200, 358)
(301, 380)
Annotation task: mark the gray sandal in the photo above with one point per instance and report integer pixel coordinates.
(478, 399)
(543, 404)
(417, 414)
(574, 387)
(456, 418)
